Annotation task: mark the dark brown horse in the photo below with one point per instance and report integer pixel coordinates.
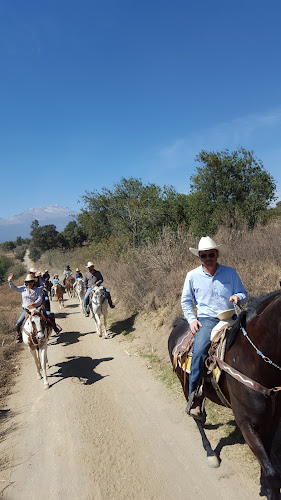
(254, 349)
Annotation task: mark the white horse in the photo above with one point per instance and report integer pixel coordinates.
(98, 306)
(79, 289)
(35, 333)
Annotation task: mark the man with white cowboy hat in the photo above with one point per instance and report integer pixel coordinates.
(93, 278)
(212, 288)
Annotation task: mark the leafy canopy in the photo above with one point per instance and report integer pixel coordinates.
(229, 187)
(131, 209)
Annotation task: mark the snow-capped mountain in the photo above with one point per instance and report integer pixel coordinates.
(19, 225)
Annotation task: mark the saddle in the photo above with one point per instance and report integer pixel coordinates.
(182, 352)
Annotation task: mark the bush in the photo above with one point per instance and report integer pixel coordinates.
(5, 264)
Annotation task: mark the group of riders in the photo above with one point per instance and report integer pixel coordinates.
(37, 287)
(211, 288)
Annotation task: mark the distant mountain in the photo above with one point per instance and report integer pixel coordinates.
(19, 225)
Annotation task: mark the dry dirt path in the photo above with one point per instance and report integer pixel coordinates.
(106, 429)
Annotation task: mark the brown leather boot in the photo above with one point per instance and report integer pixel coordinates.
(55, 327)
(18, 338)
(195, 410)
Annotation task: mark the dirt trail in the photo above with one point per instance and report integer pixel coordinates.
(106, 429)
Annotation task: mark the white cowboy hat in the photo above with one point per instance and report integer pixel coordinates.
(32, 270)
(90, 264)
(29, 277)
(206, 243)
(78, 270)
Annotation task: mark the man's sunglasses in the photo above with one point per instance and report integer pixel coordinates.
(204, 255)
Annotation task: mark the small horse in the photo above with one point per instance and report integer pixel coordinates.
(35, 333)
(98, 307)
(69, 282)
(253, 355)
(59, 291)
(79, 290)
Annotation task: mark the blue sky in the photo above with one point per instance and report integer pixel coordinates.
(96, 90)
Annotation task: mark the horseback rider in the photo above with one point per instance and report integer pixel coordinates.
(93, 278)
(78, 273)
(31, 298)
(40, 284)
(66, 273)
(46, 276)
(212, 288)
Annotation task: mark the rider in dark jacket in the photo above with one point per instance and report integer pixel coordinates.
(93, 278)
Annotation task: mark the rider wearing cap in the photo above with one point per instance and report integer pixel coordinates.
(93, 278)
(212, 288)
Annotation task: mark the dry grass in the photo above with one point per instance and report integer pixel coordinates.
(8, 348)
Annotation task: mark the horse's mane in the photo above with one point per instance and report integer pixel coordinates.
(255, 307)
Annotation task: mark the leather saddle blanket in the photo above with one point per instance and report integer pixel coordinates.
(182, 352)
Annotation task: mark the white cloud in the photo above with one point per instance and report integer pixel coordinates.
(232, 134)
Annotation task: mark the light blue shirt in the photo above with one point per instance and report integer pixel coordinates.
(210, 294)
(29, 296)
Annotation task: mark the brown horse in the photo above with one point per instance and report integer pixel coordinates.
(69, 282)
(59, 291)
(253, 349)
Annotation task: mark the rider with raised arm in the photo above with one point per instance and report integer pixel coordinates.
(31, 298)
(212, 288)
(93, 278)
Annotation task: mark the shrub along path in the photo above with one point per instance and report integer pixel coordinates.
(106, 428)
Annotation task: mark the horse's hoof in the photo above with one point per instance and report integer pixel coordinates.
(213, 462)
(100, 334)
(46, 386)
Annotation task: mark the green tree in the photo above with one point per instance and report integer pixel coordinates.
(8, 246)
(229, 187)
(43, 238)
(5, 265)
(131, 209)
(73, 235)
(19, 241)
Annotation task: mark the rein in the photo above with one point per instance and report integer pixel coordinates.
(244, 379)
(265, 358)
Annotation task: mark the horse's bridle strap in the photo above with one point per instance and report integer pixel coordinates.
(245, 379)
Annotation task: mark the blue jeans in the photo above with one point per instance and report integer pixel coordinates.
(86, 297)
(87, 294)
(200, 350)
(20, 320)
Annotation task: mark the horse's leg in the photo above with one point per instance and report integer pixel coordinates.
(212, 458)
(98, 323)
(43, 355)
(105, 324)
(37, 362)
(269, 476)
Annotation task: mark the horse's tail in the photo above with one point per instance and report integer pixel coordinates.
(233, 332)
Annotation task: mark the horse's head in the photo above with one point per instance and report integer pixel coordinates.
(98, 295)
(34, 329)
